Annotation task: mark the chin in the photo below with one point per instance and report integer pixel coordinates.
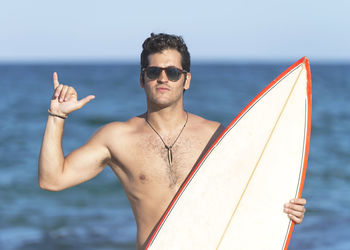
(161, 103)
(163, 100)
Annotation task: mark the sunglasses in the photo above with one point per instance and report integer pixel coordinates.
(172, 73)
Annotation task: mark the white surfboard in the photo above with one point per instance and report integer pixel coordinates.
(234, 197)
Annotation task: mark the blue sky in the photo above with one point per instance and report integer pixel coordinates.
(107, 30)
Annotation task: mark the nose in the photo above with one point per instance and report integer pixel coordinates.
(162, 77)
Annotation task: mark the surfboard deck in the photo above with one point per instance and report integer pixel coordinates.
(233, 198)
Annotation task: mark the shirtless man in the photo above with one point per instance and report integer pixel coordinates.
(152, 153)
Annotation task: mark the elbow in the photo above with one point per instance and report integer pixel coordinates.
(49, 186)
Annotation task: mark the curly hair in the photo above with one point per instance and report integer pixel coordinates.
(158, 42)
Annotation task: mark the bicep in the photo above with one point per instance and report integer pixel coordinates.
(85, 162)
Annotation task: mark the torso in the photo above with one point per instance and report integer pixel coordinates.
(140, 160)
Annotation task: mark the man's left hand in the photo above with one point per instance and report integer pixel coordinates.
(295, 209)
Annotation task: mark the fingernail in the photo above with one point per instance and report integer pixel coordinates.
(292, 200)
(286, 205)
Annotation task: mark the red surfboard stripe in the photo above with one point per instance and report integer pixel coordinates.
(307, 146)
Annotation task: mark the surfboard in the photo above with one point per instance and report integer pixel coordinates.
(233, 198)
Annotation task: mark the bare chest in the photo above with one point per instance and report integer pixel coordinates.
(146, 166)
(165, 164)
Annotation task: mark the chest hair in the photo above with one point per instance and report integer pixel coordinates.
(184, 154)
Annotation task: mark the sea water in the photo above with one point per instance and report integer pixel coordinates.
(96, 214)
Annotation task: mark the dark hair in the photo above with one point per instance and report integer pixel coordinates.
(158, 42)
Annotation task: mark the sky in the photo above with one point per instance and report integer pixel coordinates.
(112, 30)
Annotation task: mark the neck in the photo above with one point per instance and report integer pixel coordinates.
(166, 119)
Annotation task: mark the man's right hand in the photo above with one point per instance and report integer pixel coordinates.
(65, 98)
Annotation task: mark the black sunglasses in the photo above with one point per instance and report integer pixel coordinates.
(172, 73)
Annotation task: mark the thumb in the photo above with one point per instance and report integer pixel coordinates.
(85, 100)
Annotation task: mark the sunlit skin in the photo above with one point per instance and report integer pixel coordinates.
(133, 150)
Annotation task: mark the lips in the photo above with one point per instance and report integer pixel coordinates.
(162, 89)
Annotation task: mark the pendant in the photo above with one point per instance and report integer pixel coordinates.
(170, 155)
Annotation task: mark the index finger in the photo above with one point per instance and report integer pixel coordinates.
(55, 80)
(300, 201)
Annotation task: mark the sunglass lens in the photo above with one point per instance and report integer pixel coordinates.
(153, 72)
(173, 74)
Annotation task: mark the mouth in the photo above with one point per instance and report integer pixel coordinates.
(162, 89)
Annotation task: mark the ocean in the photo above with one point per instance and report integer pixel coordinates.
(96, 214)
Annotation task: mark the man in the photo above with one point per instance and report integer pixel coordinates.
(152, 153)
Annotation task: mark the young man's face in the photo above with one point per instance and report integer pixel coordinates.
(163, 91)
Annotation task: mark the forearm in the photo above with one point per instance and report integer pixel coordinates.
(51, 159)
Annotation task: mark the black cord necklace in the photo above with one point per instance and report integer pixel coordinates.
(169, 148)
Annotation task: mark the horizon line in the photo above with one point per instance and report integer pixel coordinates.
(91, 61)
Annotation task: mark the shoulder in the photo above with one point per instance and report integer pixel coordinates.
(119, 130)
(204, 131)
(199, 122)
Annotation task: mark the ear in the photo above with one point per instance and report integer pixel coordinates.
(188, 81)
(142, 83)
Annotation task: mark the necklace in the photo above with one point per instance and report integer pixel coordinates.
(169, 148)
